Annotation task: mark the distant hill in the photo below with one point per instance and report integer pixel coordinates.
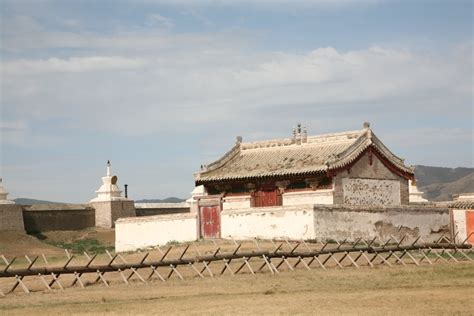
(167, 200)
(439, 183)
(26, 201)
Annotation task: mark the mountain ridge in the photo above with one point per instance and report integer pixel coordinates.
(437, 183)
(28, 201)
(441, 183)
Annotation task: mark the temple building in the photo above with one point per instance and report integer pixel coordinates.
(350, 168)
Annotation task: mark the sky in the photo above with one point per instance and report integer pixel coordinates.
(160, 87)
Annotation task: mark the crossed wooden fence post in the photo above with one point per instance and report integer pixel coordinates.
(344, 254)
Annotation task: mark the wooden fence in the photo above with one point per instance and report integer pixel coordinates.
(272, 256)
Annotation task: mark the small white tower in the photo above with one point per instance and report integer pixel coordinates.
(11, 214)
(415, 195)
(109, 204)
(109, 190)
(4, 194)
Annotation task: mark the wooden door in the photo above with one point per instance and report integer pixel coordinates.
(470, 226)
(210, 222)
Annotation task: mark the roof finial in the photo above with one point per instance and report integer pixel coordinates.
(366, 125)
(108, 168)
(304, 138)
(239, 139)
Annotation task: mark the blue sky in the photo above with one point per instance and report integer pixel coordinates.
(161, 87)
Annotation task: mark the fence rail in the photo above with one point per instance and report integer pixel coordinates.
(336, 254)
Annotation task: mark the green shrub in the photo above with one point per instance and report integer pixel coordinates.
(79, 246)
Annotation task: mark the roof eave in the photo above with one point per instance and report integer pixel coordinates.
(259, 177)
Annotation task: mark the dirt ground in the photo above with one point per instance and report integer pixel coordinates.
(14, 244)
(439, 289)
(17, 244)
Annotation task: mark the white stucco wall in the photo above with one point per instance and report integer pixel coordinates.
(236, 202)
(308, 197)
(320, 222)
(459, 225)
(371, 192)
(148, 231)
(268, 222)
(288, 199)
(339, 224)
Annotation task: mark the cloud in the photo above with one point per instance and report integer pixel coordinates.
(260, 3)
(12, 126)
(430, 136)
(198, 85)
(158, 19)
(73, 23)
(73, 64)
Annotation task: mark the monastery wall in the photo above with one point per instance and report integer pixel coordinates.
(11, 217)
(148, 231)
(149, 209)
(49, 217)
(341, 222)
(293, 222)
(380, 186)
(459, 224)
(236, 202)
(321, 222)
(239, 202)
(107, 212)
(308, 197)
(463, 225)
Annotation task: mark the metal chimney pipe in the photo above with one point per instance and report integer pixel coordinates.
(126, 190)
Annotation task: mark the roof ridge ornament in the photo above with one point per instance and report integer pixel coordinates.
(300, 134)
(368, 131)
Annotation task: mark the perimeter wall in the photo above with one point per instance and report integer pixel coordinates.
(320, 222)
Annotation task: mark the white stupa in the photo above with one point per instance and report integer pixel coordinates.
(197, 191)
(4, 194)
(415, 195)
(109, 190)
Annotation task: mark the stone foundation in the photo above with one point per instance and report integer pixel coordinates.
(11, 217)
(107, 212)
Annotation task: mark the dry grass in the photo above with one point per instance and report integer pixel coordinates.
(17, 244)
(437, 289)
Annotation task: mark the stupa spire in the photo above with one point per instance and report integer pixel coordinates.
(108, 168)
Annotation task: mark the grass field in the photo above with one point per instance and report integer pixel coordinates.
(439, 289)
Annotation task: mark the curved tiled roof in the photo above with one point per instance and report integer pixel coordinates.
(284, 157)
(462, 205)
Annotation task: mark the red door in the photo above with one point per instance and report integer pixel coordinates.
(470, 226)
(210, 222)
